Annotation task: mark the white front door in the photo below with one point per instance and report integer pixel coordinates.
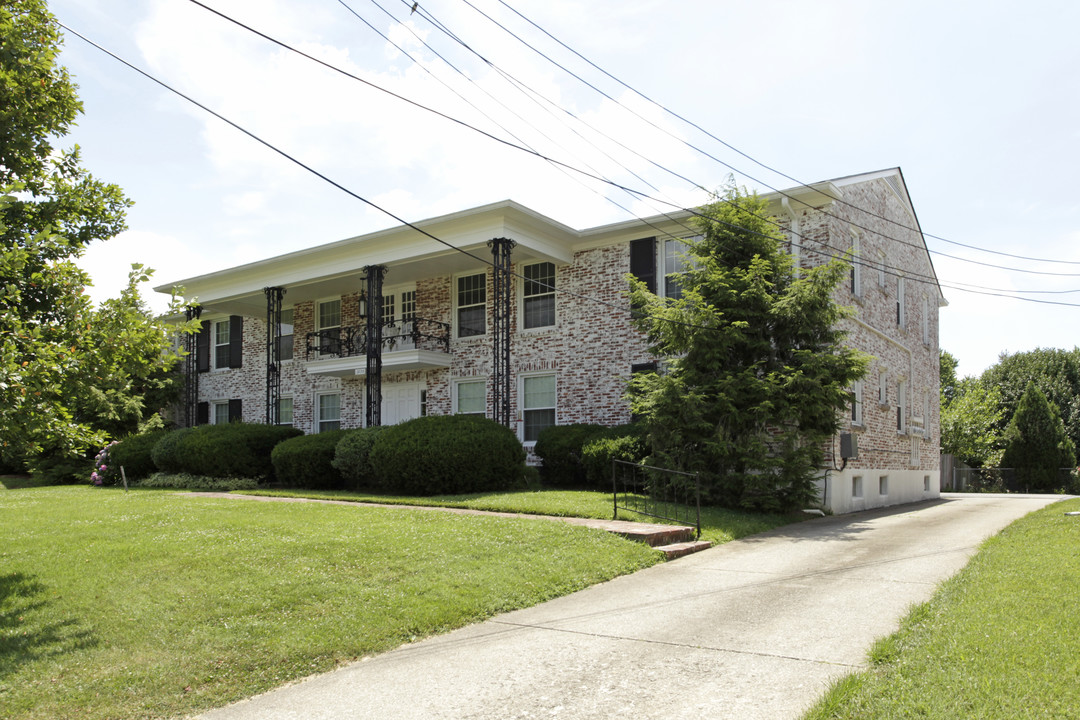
(400, 402)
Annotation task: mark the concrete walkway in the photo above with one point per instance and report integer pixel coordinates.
(756, 628)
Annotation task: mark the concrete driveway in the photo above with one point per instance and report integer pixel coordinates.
(756, 628)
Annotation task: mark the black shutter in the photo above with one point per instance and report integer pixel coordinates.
(236, 410)
(236, 340)
(643, 261)
(202, 347)
(202, 413)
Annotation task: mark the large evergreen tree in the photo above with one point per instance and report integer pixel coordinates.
(1055, 371)
(69, 374)
(1036, 445)
(754, 369)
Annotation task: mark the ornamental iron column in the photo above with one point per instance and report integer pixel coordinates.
(191, 368)
(502, 297)
(373, 343)
(274, 297)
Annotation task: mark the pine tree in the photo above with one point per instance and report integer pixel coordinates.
(755, 372)
(1036, 445)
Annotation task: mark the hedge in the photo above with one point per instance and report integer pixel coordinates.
(353, 457)
(135, 454)
(559, 447)
(228, 450)
(447, 454)
(307, 461)
(623, 442)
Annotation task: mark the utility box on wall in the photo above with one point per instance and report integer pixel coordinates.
(849, 446)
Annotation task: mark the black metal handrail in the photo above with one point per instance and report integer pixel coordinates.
(349, 341)
(656, 492)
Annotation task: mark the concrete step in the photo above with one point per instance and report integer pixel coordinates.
(678, 550)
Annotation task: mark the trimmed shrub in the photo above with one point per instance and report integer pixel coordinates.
(624, 442)
(352, 458)
(135, 454)
(166, 451)
(230, 450)
(559, 447)
(185, 481)
(447, 454)
(307, 461)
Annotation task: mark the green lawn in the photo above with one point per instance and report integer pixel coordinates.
(717, 524)
(155, 604)
(1000, 640)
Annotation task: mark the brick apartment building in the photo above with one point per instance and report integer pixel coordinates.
(304, 338)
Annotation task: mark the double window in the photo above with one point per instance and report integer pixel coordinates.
(221, 344)
(285, 411)
(328, 412)
(471, 397)
(285, 340)
(539, 295)
(328, 321)
(675, 264)
(471, 305)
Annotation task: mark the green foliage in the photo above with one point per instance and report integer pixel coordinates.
(308, 461)
(625, 442)
(447, 454)
(1055, 372)
(60, 469)
(135, 454)
(229, 450)
(71, 376)
(166, 451)
(559, 447)
(1036, 445)
(969, 423)
(187, 481)
(352, 458)
(756, 371)
(947, 365)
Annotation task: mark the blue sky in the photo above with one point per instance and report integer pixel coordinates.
(976, 102)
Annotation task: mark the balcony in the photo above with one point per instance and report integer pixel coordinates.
(416, 344)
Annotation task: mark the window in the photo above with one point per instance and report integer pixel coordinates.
(329, 326)
(471, 397)
(328, 412)
(901, 407)
(881, 269)
(926, 483)
(856, 403)
(883, 388)
(285, 411)
(221, 412)
(856, 486)
(471, 305)
(539, 295)
(901, 312)
(925, 320)
(285, 341)
(856, 267)
(883, 485)
(916, 450)
(538, 404)
(423, 402)
(408, 305)
(388, 308)
(221, 344)
(675, 263)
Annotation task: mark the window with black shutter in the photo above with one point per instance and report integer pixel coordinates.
(643, 261)
(236, 340)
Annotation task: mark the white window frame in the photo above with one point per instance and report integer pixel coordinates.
(456, 297)
(883, 485)
(317, 416)
(857, 487)
(292, 411)
(681, 264)
(857, 404)
(456, 409)
(901, 407)
(883, 388)
(545, 293)
(925, 320)
(215, 406)
(522, 381)
(856, 265)
(318, 318)
(226, 323)
(901, 305)
(881, 269)
(291, 334)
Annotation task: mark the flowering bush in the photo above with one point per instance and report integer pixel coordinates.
(104, 473)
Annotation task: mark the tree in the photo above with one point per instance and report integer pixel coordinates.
(1036, 444)
(65, 381)
(754, 369)
(969, 422)
(1056, 372)
(949, 383)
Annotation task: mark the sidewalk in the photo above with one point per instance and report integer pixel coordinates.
(756, 628)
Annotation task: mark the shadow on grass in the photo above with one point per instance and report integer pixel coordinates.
(22, 639)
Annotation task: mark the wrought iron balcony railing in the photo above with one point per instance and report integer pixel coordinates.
(415, 334)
